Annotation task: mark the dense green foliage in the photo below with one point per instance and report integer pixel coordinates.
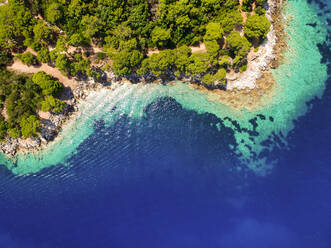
(47, 84)
(21, 97)
(29, 126)
(15, 22)
(257, 26)
(238, 46)
(128, 31)
(52, 104)
(5, 58)
(217, 78)
(230, 20)
(28, 58)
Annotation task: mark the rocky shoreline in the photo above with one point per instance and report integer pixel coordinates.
(259, 63)
(49, 128)
(52, 125)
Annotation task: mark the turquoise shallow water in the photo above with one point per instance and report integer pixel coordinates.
(160, 166)
(300, 79)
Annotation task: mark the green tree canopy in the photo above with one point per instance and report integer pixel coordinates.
(54, 13)
(237, 44)
(29, 126)
(122, 63)
(230, 20)
(80, 65)
(43, 33)
(14, 20)
(14, 132)
(77, 39)
(220, 76)
(91, 25)
(199, 64)
(213, 48)
(160, 36)
(47, 84)
(159, 63)
(52, 104)
(5, 58)
(213, 31)
(257, 26)
(43, 55)
(182, 61)
(62, 63)
(215, 79)
(3, 128)
(28, 58)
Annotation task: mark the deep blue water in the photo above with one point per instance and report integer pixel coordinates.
(168, 181)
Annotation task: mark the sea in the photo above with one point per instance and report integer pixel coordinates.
(168, 166)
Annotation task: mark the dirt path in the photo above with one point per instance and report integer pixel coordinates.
(200, 49)
(18, 66)
(4, 112)
(150, 52)
(244, 16)
(92, 49)
(31, 51)
(195, 49)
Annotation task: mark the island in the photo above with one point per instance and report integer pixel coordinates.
(50, 51)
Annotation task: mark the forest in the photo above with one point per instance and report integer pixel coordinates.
(127, 32)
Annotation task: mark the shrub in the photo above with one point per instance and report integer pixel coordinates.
(14, 132)
(47, 84)
(29, 126)
(243, 68)
(213, 31)
(28, 58)
(257, 26)
(43, 55)
(62, 63)
(101, 55)
(208, 79)
(160, 36)
(5, 58)
(230, 20)
(239, 46)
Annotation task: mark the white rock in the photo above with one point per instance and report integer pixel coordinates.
(264, 55)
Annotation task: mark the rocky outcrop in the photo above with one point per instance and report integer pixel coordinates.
(29, 143)
(257, 61)
(50, 125)
(9, 147)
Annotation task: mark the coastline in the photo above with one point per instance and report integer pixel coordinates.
(258, 61)
(241, 93)
(298, 79)
(52, 124)
(247, 94)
